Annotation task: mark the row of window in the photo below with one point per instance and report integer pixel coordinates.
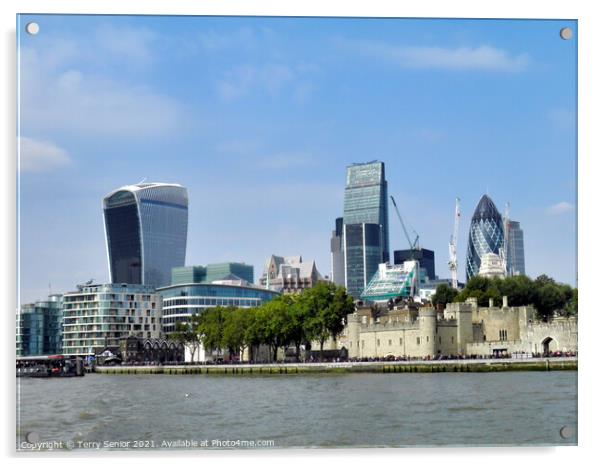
(251, 302)
(418, 341)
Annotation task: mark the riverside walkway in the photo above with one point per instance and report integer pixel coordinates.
(454, 365)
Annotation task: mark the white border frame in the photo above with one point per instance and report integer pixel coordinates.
(589, 193)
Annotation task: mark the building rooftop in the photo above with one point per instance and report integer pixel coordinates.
(391, 281)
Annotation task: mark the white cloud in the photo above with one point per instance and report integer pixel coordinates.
(243, 80)
(483, 57)
(40, 156)
(133, 45)
(57, 98)
(213, 41)
(560, 208)
(268, 78)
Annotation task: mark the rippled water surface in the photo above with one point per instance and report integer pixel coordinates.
(327, 410)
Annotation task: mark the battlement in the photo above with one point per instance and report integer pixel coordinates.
(559, 324)
(447, 321)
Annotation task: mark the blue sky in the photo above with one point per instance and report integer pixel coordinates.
(258, 118)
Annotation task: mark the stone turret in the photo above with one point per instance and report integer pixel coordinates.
(427, 317)
(354, 322)
(464, 329)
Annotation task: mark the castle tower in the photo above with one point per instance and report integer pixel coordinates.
(354, 323)
(427, 318)
(464, 330)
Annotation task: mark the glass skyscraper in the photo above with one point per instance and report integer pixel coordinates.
(365, 224)
(40, 327)
(146, 227)
(363, 253)
(486, 235)
(337, 256)
(516, 249)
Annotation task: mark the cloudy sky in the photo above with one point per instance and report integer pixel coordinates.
(258, 118)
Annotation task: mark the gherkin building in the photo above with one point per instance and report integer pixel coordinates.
(486, 235)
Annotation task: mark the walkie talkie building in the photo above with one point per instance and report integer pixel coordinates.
(146, 226)
(486, 235)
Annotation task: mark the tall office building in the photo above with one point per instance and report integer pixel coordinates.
(146, 226)
(365, 224)
(426, 258)
(337, 259)
(363, 254)
(40, 327)
(516, 249)
(366, 199)
(486, 235)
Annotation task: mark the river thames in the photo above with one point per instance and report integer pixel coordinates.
(324, 410)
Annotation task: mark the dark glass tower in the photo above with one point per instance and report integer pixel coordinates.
(363, 253)
(486, 235)
(426, 257)
(337, 255)
(365, 224)
(516, 249)
(146, 227)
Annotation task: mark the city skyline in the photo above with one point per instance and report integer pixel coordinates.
(257, 187)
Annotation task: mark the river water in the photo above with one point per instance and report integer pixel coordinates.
(325, 410)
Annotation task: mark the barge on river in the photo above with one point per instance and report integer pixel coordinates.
(49, 366)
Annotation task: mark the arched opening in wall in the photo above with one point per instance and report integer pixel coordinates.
(549, 345)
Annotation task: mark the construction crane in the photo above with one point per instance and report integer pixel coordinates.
(453, 247)
(413, 245)
(413, 248)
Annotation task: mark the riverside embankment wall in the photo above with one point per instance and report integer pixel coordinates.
(470, 365)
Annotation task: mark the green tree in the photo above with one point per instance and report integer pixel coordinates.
(478, 283)
(211, 328)
(274, 324)
(571, 308)
(443, 294)
(544, 280)
(519, 289)
(549, 298)
(234, 336)
(254, 332)
(296, 318)
(187, 334)
(476, 287)
(325, 307)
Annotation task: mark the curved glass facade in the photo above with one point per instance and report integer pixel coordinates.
(123, 238)
(486, 235)
(146, 227)
(180, 302)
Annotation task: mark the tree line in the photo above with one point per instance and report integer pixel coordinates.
(546, 295)
(316, 314)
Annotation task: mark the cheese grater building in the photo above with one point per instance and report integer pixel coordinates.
(146, 226)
